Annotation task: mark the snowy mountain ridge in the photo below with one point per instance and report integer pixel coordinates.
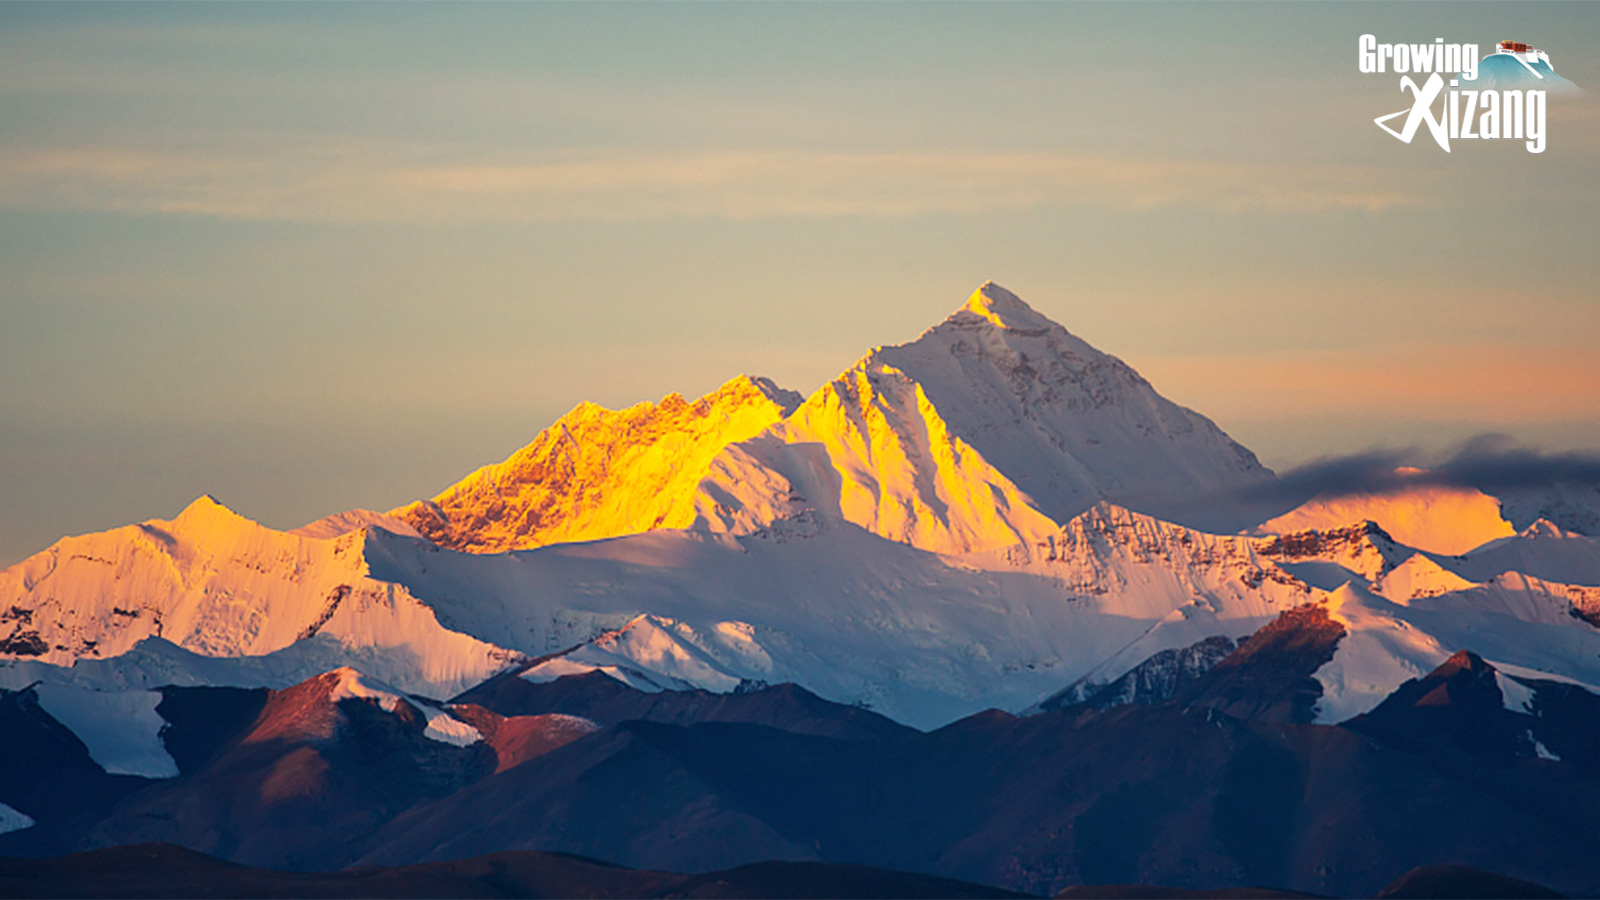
(598, 473)
(930, 534)
(219, 585)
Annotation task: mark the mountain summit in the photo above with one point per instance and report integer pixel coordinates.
(1002, 309)
(1068, 424)
(991, 429)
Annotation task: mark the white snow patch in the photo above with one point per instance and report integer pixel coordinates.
(1378, 653)
(562, 666)
(14, 820)
(1518, 697)
(156, 662)
(989, 433)
(1541, 750)
(121, 728)
(352, 685)
(991, 429)
(449, 730)
(1420, 577)
(662, 646)
(1526, 674)
(654, 652)
(564, 722)
(219, 585)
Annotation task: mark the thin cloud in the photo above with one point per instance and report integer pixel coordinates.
(341, 184)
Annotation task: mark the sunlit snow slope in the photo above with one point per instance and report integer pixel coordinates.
(600, 473)
(219, 585)
(1433, 518)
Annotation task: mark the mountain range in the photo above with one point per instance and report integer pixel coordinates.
(986, 606)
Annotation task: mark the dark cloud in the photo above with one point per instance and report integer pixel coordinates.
(1491, 463)
(1495, 462)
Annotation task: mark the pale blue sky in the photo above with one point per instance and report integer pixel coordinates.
(308, 256)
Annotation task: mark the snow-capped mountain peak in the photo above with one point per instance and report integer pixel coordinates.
(986, 431)
(1419, 577)
(1066, 422)
(207, 513)
(1329, 557)
(1002, 309)
(220, 585)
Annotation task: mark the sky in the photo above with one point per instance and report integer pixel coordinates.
(310, 257)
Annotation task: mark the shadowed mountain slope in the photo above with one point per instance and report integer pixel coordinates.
(603, 699)
(1034, 804)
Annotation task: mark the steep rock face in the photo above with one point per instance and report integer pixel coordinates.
(1363, 549)
(984, 432)
(220, 585)
(1097, 552)
(599, 473)
(1190, 585)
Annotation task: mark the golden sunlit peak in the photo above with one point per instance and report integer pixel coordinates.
(754, 387)
(1003, 308)
(206, 515)
(206, 506)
